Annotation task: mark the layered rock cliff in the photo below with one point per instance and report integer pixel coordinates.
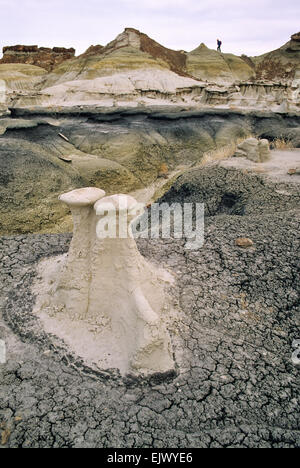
(43, 57)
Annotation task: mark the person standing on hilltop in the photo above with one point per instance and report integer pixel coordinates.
(219, 43)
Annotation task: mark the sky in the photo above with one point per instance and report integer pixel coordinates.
(245, 27)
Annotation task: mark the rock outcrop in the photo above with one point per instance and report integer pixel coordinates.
(254, 150)
(105, 283)
(282, 64)
(294, 171)
(43, 57)
(296, 37)
(237, 384)
(132, 38)
(134, 70)
(240, 188)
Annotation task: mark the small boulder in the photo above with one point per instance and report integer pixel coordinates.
(240, 154)
(244, 242)
(264, 150)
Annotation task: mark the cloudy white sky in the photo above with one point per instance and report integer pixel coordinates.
(252, 27)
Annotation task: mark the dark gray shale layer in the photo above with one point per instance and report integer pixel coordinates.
(119, 151)
(236, 384)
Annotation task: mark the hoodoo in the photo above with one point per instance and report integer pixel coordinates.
(106, 283)
(43, 57)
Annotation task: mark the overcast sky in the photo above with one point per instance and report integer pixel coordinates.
(251, 27)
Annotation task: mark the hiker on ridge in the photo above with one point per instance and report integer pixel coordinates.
(219, 45)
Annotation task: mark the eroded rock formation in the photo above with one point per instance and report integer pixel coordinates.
(209, 65)
(120, 150)
(105, 283)
(281, 64)
(238, 386)
(43, 57)
(135, 70)
(254, 150)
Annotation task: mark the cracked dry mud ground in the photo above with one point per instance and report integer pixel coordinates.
(237, 386)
